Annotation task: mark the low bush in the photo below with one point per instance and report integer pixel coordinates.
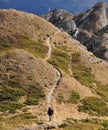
(10, 97)
(25, 41)
(10, 106)
(36, 47)
(61, 59)
(60, 98)
(75, 57)
(34, 93)
(13, 83)
(102, 90)
(32, 101)
(94, 106)
(5, 45)
(11, 94)
(83, 74)
(74, 97)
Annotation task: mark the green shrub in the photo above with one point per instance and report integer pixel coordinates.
(61, 59)
(36, 47)
(34, 93)
(9, 93)
(25, 41)
(72, 124)
(74, 97)
(60, 98)
(17, 121)
(25, 116)
(4, 45)
(9, 106)
(94, 106)
(83, 74)
(75, 57)
(32, 101)
(13, 83)
(102, 90)
(9, 98)
(105, 124)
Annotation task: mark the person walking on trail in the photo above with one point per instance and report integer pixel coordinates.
(50, 113)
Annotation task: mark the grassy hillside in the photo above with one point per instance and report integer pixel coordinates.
(26, 77)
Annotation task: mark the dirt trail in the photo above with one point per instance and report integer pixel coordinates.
(58, 73)
(49, 44)
(51, 92)
(49, 50)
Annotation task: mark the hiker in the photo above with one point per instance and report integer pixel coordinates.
(50, 113)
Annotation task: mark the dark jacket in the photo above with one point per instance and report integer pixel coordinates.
(50, 111)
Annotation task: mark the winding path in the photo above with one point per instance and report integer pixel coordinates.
(58, 72)
(49, 50)
(51, 92)
(49, 44)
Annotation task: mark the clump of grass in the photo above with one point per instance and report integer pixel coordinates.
(34, 94)
(83, 74)
(94, 106)
(60, 58)
(84, 124)
(74, 97)
(75, 57)
(105, 124)
(10, 94)
(36, 47)
(17, 121)
(13, 83)
(25, 41)
(24, 116)
(9, 98)
(5, 45)
(10, 106)
(102, 90)
(60, 98)
(78, 125)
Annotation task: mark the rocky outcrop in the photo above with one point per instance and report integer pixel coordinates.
(91, 27)
(93, 32)
(92, 20)
(98, 43)
(95, 18)
(83, 36)
(61, 18)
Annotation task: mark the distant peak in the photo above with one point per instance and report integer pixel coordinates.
(100, 5)
(59, 10)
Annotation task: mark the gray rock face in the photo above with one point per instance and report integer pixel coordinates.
(91, 26)
(83, 36)
(62, 19)
(98, 43)
(69, 26)
(95, 18)
(93, 32)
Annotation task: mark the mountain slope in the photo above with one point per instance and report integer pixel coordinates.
(42, 66)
